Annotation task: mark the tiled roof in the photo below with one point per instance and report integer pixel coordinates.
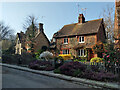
(89, 27)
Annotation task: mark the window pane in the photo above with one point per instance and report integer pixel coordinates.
(65, 40)
(81, 52)
(84, 52)
(79, 39)
(65, 51)
(82, 39)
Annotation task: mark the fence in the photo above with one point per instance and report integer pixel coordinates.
(115, 68)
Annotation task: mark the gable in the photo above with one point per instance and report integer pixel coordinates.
(42, 36)
(101, 35)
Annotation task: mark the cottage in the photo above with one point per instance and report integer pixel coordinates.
(23, 40)
(78, 38)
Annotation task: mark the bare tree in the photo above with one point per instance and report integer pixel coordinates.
(5, 31)
(30, 20)
(30, 25)
(108, 16)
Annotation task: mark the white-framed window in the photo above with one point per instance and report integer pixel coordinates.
(81, 52)
(81, 39)
(66, 51)
(65, 40)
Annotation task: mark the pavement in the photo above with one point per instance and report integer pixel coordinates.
(92, 83)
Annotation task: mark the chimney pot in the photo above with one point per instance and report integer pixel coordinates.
(81, 18)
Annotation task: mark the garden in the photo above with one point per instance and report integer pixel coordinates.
(105, 68)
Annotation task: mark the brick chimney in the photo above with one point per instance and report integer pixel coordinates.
(41, 27)
(81, 18)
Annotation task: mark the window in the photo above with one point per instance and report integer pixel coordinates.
(65, 51)
(81, 52)
(65, 40)
(81, 39)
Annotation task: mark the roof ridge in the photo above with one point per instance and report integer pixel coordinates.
(95, 20)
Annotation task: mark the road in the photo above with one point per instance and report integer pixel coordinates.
(12, 78)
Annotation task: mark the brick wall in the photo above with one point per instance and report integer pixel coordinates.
(40, 41)
(73, 41)
(101, 34)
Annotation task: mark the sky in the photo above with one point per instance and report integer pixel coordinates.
(54, 15)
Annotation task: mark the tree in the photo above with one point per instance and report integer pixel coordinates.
(31, 26)
(5, 31)
(108, 15)
(7, 39)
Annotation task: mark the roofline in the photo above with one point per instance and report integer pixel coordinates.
(75, 35)
(79, 34)
(44, 35)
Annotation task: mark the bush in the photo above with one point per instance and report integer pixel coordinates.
(57, 70)
(41, 65)
(77, 73)
(79, 60)
(95, 68)
(78, 69)
(71, 67)
(27, 58)
(23, 59)
(96, 59)
(10, 59)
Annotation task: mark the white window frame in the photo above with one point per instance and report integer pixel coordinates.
(81, 38)
(81, 52)
(66, 51)
(65, 39)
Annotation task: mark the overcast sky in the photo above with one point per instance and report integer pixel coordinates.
(55, 14)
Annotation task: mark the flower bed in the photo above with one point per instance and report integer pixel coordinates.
(41, 65)
(81, 70)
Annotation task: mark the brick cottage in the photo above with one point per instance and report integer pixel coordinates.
(23, 42)
(78, 38)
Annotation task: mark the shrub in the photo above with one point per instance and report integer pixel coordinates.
(71, 67)
(41, 65)
(95, 68)
(99, 76)
(77, 73)
(27, 58)
(96, 59)
(66, 56)
(10, 59)
(57, 70)
(79, 60)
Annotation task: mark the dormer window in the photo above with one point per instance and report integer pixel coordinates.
(65, 40)
(81, 39)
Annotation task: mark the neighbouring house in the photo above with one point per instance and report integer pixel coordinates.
(78, 38)
(23, 40)
(117, 24)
